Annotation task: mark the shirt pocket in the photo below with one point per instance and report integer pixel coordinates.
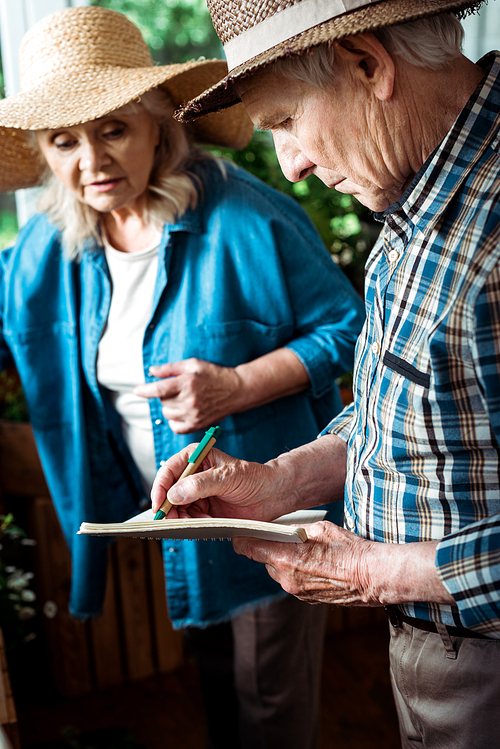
(404, 410)
(404, 368)
(47, 360)
(238, 341)
(232, 343)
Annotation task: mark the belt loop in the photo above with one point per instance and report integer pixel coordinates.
(442, 630)
(393, 615)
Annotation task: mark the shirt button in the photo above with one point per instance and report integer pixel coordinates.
(172, 549)
(393, 256)
(350, 524)
(158, 421)
(359, 440)
(375, 347)
(162, 462)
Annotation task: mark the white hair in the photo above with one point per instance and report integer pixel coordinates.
(172, 189)
(430, 43)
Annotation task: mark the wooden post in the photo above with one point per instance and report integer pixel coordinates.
(66, 637)
(169, 643)
(106, 645)
(8, 717)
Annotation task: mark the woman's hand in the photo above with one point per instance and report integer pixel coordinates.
(194, 394)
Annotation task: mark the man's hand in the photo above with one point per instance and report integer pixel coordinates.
(194, 394)
(337, 567)
(225, 487)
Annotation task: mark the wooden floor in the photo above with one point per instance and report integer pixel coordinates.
(166, 713)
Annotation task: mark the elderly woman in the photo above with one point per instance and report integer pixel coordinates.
(157, 292)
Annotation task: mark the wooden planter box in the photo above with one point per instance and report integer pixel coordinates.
(8, 719)
(133, 638)
(21, 474)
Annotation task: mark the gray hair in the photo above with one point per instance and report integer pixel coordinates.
(430, 43)
(170, 192)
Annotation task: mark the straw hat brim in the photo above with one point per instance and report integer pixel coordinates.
(386, 13)
(71, 99)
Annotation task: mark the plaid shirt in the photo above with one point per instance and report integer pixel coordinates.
(423, 432)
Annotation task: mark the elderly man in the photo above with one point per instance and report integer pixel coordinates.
(376, 99)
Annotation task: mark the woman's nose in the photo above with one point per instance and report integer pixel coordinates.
(92, 157)
(294, 164)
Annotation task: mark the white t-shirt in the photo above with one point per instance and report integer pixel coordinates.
(119, 362)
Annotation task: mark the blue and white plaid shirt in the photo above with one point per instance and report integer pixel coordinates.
(424, 429)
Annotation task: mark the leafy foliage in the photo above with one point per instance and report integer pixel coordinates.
(8, 228)
(12, 403)
(345, 226)
(16, 596)
(175, 30)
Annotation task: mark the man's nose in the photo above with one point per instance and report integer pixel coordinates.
(294, 164)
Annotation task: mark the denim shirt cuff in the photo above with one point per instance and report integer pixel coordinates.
(318, 367)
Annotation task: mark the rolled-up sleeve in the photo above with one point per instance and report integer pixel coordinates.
(342, 424)
(329, 314)
(468, 564)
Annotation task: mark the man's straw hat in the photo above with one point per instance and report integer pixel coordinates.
(256, 32)
(79, 64)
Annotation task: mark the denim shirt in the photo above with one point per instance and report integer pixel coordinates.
(242, 274)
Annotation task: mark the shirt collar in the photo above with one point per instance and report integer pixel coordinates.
(190, 221)
(448, 166)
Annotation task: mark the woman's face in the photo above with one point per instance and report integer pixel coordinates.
(106, 163)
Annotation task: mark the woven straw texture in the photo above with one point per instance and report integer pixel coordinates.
(79, 64)
(233, 17)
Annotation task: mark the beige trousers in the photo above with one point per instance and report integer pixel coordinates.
(445, 702)
(260, 676)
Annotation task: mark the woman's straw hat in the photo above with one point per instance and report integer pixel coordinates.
(79, 64)
(256, 32)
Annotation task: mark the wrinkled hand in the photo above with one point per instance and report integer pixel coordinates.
(194, 394)
(329, 568)
(225, 487)
(336, 566)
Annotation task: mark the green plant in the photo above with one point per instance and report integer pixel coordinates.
(346, 227)
(12, 402)
(175, 30)
(8, 228)
(16, 597)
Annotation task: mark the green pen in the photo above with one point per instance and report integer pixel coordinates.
(194, 461)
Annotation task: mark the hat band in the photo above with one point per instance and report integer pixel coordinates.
(284, 24)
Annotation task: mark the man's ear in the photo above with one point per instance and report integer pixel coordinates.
(370, 62)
